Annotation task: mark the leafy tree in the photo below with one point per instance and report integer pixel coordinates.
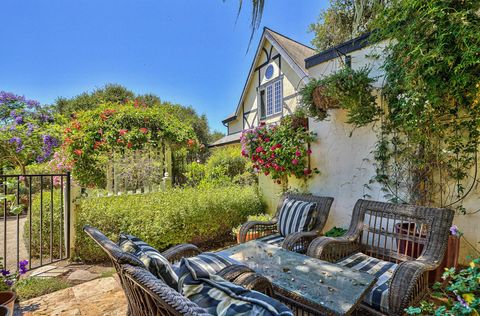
(87, 101)
(344, 20)
(28, 133)
(216, 135)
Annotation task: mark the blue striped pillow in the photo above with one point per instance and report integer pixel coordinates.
(220, 297)
(378, 296)
(157, 264)
(295, 216)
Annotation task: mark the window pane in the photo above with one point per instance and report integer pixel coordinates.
(278, 96)
(269, 100)
(262, 104)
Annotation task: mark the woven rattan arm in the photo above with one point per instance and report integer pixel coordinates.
(246, 277)
(299, 241)
(332, 249)
(409, 284)
(176, 253)
(257, 229)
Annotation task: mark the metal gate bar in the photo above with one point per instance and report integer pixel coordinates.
(19, 190)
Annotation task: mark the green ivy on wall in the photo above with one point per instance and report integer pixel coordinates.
(430, 124)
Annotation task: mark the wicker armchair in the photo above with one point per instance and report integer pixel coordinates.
(297, 241)
(148, 295)
(414, 237)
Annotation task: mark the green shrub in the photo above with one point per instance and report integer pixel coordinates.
(251, 218)
(33, 287)
(336, 232)
(224, 166)
(48, 212)
(165, 218)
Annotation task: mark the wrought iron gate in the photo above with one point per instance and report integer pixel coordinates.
(36, 219)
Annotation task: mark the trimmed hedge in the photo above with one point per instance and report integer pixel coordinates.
(165, 218)
(47, 215)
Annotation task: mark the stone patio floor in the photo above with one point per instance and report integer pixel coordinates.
(103, 296)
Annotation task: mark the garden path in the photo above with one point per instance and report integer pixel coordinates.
(102, 296)
(12, 241)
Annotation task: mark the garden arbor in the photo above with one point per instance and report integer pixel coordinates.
(124, 146)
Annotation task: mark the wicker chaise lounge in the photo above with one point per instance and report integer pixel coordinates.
(149, 295)
(400, 244)
(297, 241)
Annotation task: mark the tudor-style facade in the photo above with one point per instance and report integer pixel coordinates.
(271, 89)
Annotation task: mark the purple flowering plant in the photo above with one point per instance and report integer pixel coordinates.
(8, 278)
(459, 294)
(28, 133)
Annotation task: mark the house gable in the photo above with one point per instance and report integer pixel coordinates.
(275, 76)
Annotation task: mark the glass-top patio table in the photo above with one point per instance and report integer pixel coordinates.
(303, 283)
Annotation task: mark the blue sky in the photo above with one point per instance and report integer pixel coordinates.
(185, 51)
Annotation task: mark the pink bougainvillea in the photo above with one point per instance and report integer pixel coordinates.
(279, 150)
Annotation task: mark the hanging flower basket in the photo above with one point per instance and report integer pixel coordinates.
(321, 101)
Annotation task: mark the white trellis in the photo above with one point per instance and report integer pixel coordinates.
(139, 171)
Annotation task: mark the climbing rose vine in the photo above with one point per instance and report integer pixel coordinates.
(280, 150)
(94, 135)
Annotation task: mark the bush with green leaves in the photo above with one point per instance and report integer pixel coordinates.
(225, 166)
(460, 295)
(44, 209)
(349, 89)
(163, 219)
(91, 139)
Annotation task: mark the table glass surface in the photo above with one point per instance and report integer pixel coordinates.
(332, 287)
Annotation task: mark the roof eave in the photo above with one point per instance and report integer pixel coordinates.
(340, 49)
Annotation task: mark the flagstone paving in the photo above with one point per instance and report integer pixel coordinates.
(103, 296)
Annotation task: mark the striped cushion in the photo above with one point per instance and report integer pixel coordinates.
(273, 239)
(277, 240)
(295, 216)
(157, 264)
(210, 263)
(377, 297)
(220, 297)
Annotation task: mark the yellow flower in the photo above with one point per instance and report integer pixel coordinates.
(472, 264)
(468, 297)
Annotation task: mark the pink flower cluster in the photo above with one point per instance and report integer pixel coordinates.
(266, 147)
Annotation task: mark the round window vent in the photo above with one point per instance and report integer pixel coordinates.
(269, 72)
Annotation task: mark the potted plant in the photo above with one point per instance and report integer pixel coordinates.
(8, 279)
(255, 235)
(414, 249)
(456, 295)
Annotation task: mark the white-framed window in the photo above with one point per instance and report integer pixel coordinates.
(278, 106)
(271, 99)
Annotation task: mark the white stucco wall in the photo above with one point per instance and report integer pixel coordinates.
(346, 162)
(345, 165)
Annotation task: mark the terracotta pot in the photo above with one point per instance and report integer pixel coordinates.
(450, 260)
(7, 299)
(250, 236)
(405, 247)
